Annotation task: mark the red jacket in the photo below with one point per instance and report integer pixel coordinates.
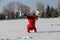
(31, 20)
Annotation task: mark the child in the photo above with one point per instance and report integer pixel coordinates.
(31, 22)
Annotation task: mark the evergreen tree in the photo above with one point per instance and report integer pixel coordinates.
(48, 11)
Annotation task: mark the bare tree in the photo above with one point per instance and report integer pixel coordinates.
(40, 7)
(58, 6)
(15, 7)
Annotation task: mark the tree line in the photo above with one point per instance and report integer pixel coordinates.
(16, 10)
(48, 11)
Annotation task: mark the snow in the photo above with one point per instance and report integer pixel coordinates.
(48, 29)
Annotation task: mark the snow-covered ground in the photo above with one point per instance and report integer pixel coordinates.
(48, 29)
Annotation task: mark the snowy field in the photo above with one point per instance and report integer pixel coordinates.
(48, 29)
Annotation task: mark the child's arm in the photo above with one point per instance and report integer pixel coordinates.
(25, 15)
(36, 17)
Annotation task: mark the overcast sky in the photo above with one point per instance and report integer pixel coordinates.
(30, 3)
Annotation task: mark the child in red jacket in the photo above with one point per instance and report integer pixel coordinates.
(31, 23)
